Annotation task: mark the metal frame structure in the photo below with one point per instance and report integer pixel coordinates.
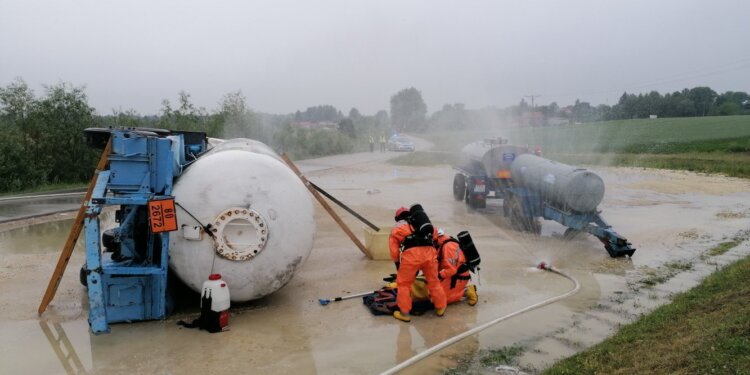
(128, 282)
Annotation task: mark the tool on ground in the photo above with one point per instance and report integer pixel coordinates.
(75, 231)
(532, 187)
(325, 205)
(342, 205)
(325, 301)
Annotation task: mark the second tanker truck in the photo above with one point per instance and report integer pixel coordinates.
(533, 187)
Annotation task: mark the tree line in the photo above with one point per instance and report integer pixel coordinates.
(43, 139)
(697, 101)
(409, 111)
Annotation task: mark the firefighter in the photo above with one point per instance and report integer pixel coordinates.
(411, 256)
(372, 143)
(453, 271)
(382, 143)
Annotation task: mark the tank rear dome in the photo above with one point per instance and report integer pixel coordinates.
(260, 214)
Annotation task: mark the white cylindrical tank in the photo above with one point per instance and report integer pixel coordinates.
(565, 186)
(260, 215)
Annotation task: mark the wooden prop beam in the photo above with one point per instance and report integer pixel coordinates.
(325, 205)
(75, 231)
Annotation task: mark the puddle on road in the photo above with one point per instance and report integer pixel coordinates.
(37, 206)
(42, 237)
(33, 239)
(289, 332)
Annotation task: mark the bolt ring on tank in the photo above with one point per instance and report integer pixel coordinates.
(239, 233)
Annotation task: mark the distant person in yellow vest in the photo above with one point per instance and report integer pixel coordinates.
(382, 143)
(372, 144)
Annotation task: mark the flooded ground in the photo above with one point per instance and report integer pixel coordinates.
(14, 208)
(671, 218)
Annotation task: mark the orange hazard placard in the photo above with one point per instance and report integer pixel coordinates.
(162, 216)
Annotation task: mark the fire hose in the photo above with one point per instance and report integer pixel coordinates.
(475, 330)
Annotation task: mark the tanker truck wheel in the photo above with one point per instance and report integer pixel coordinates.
(570, 234)
(82, 276)
(459, 187)
(519, 221)
(476, 202)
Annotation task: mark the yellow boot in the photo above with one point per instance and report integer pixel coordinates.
(402, 317)
(440, 312)
(471, 295)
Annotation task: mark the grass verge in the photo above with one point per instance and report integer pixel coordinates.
(487, 359)
(506, 355)
(723, 248)
(46, 188)
(730, 164)
(704, 330)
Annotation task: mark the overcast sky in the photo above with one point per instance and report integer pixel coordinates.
(287, 55)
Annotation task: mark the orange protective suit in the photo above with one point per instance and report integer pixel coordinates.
(450, 259)
(411, 261)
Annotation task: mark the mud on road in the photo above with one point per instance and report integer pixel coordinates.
(672, 218)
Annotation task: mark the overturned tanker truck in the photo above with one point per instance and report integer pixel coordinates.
(533, 187)
(189, 208)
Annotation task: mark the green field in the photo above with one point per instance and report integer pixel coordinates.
(671, 135)
(700, 144)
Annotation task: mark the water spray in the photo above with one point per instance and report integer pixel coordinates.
(542, 266)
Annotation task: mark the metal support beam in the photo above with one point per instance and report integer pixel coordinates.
(326, 206)
(97, 303)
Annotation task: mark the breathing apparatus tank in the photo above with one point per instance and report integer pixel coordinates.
(470, 251)
(420, 222)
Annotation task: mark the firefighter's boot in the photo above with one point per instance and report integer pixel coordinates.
(402, 317)
(471, 295)
(440, 312)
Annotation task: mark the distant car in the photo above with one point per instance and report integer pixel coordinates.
(397, 143)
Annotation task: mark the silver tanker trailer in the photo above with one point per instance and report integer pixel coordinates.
(533, 187)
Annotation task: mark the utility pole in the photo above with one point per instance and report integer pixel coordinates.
(531, 113)
(532, 99)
